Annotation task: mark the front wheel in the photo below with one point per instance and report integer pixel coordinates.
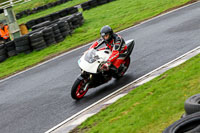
(79, 89)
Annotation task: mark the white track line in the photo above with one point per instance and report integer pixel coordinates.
(90, 43)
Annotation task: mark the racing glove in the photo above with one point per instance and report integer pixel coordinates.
(106, 66)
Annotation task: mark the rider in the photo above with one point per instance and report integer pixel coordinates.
(113, 42)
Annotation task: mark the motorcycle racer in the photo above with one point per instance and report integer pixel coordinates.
(115, 43)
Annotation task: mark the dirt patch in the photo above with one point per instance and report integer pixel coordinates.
(163, 77)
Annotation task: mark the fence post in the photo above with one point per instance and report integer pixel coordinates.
(12, 22)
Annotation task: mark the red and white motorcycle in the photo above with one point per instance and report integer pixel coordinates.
(92, 74)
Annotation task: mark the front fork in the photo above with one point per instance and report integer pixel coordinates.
(87, 78)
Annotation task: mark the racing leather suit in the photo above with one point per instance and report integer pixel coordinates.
(117, 46)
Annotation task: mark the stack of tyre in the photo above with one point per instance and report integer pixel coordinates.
(39, 9)
(190, 121)
(44, 35)
(43, 24)
(3, 53)
(22, 44)
(74, 21)
(64, 28)
(37, 41)
(42, 21)
(93, 3)
(57, 34)
(10, 47)
(48, 35)
(77, 20)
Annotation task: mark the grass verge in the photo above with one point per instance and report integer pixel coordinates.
(151, 107)
(119, 15)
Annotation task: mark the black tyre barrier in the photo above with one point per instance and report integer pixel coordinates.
(72, 10)
(85, 6)
(93, 3)
(34, 31)
(58, 36)
(49, 36)
(47, 18)
(64, 12)
(101, 2)
(3, 51)
(52, 17)
(40, 47)
(55, 27)
(22, 44)
(35, 37)
(64, 28)
(55, 16)
(22, 49)
(10, 44)
(3, 58)
(39, 9)
(37, 41)
(192, 104)
(39, 20)
(12, 53)
(10, 47)
(67, 20)
(42, 37)
(23, 40)
(49, 5)
(189, 124)
(77, 20)
(30, 23)
(43, 24)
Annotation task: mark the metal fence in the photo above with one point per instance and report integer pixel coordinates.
(9, 3)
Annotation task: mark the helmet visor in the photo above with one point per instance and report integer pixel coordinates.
(106, 37)
(103, 34)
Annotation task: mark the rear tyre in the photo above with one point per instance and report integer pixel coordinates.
(79, 89)
(123, 70)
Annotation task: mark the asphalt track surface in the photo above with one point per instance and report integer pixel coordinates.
(39, 99)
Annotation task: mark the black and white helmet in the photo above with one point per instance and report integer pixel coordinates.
(106, 30)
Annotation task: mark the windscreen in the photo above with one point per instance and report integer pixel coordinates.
(91, 56)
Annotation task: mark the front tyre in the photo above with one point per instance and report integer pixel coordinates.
(79, 89)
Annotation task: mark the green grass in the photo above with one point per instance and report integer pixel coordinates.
(151, 107)
(50, 10)
(119, 14)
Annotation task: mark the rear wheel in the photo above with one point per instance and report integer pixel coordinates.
(124, 69)
(79, 89)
